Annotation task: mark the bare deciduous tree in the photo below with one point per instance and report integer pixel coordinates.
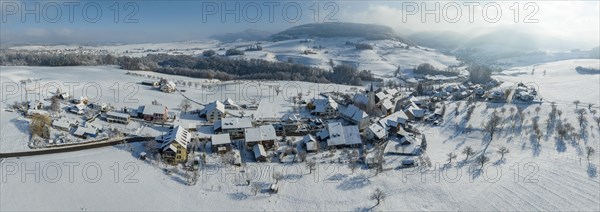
(451, 156)
(576, 102)
(377, 195)
(589, 151)
(502, 151)
(54, 104)
(468, 151)
(492, 125)
(185, 105)
(482, 160)
(581, 117)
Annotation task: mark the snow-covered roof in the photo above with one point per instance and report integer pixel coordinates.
(381, 95)
(234, 123)
(342, 135)
(322, 104)
(377, 130)
(229, 101)
(308, 138)
(391, 91)
(311, 146)
(220, 139)
(336, 134)
(216, 105)
(262, 133)
(259, 151)
(94, 125)
(387, 104)
(290, 118)
(415, 100)
(115, 114)
(352, 135)
(204, 131)
(176, 134)
(361, 98)
(153, 109)
(62, 123)
(398, 117)
(416, 111)
(354, 113)
(81, 131)
(39, 112)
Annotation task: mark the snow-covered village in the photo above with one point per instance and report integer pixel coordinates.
(316, 117)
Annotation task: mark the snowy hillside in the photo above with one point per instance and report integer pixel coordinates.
(558, 81)
(385, 57)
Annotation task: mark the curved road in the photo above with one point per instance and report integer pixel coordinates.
(73, 148)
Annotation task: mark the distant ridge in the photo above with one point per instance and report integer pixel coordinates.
(330, 30)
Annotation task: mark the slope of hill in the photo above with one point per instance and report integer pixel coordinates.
(559, 81)
(331, 30)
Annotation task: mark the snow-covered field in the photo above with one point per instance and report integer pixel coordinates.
(383, 60)
(559, 81)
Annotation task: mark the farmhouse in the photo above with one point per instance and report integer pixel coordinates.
(395, 120)
(355, 116)
(213, 111)
(114, 117)
(290, 122)
(221, 143)
(85, 132)
(152, 112)
(337, 135)
(64, 124)
(231, 105)
(325, 108)
(168, 87)
(414, 112)
(234, 126)
(78, 109)
(174, 145)
(264, 135)
(376, 132)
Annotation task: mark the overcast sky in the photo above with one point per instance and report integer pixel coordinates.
(161, 20)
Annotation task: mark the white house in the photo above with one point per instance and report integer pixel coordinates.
(168, 87)
(213, 111)
(153, 112)
(231, 105)
(234, 126)
(114, 117)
